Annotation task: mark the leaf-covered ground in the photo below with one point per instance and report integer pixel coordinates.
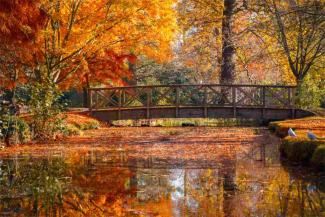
(208, 143)
(301, 126)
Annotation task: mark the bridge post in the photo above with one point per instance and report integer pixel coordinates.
(149, 95)
(233, 90)
(119, 103)
(290, 102)
(90, 99)
(205, 102)
(177, 102)
(263, 101)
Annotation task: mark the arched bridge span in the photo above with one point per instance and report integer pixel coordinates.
(194, 101)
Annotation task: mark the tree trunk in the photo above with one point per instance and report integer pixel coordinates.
(228, 48)
(85, 97)
(297, 100)
(133, 69)
(85, 92)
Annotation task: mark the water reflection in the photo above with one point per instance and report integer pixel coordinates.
(117, 184)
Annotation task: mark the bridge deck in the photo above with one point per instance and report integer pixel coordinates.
(194, 101)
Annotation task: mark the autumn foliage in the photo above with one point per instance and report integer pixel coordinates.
(66, 40)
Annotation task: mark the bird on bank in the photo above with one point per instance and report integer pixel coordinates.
(311, 136)
(292, 133)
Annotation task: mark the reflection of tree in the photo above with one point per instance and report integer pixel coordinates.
(95, 187)
(199, 192)
(272, 191)
(34, 187)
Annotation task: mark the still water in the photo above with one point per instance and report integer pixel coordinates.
(122, 181)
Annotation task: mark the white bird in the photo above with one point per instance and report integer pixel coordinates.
(292, 133)
(311, 136)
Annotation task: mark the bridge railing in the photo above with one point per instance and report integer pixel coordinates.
(202, 95)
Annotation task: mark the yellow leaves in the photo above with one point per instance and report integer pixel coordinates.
(84, 65)
(26, 29)
(118, 25)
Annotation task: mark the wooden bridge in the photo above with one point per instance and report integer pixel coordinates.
(265, 102)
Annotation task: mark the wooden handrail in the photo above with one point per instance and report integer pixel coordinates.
(194, 85)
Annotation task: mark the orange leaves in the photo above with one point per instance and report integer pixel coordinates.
(98, 42)
(87, 42)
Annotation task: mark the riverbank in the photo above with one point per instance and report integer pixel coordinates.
(301, 149)
(70, 124)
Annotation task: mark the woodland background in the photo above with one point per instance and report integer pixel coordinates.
(52, 49)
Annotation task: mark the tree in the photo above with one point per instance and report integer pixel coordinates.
(17, 34)
(212, 36)
(300, 30)
(227, 75)
(73, 35)
(63, 44)
(200, 44)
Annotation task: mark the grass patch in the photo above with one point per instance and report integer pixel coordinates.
(71, 130)
(171, 132)
(81, 122)
(76, 123)
(183, 122)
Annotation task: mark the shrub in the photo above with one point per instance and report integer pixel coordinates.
(45, 106)
(90, 125)
(70, 130)
(298, 149)
(311, 91)
(15, 130)
(318, 158)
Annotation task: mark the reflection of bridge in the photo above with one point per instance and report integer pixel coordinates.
(194, 101)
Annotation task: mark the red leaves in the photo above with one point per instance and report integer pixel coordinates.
(105, 68)
(20, 19)
(109, 68)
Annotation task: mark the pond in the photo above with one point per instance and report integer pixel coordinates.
(158, 172)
